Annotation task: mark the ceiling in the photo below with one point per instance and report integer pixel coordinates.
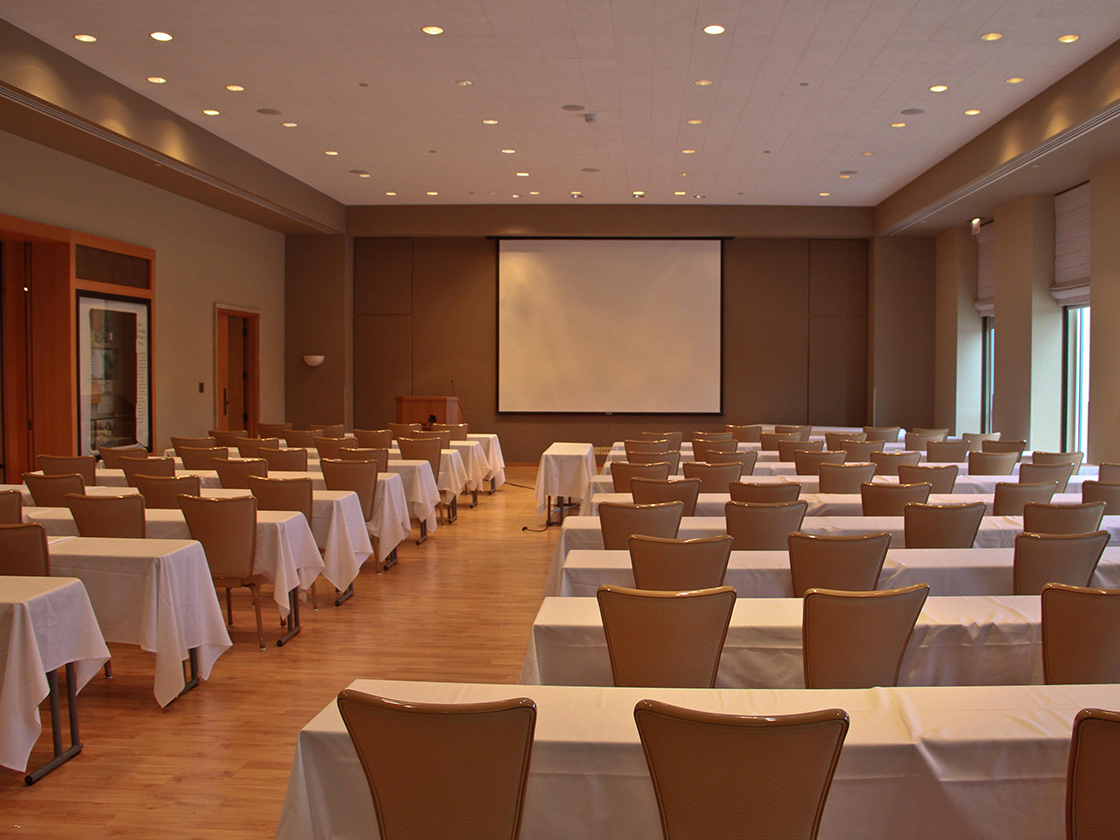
(800, 90)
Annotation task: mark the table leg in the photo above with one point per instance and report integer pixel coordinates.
(474, 498)
(560, 506)
(293, 619)
(391, 560)
(423, 532)
(344, 595)
(493, 486)
(60, 756)
(191, 681)
(453, 510)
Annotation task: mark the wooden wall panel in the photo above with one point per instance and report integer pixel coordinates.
(382, 367)
(837, 379)
(382, 277)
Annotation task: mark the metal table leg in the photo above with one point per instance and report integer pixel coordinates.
(60, 756)
(344, 595)
(423, 532)
(192, 682)
(474, 498)
(293, 619)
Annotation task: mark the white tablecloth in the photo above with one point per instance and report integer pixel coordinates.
(493, 450)
(419, 489)
(452, 474)
(564, 471)
(45, 622)
(157, 594)
(918, 763)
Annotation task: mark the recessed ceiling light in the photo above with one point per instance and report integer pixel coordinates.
(492, 192)
(639, 192)
(161, 36)
(432, 30)
(939, 88)
(911, 112)
(972, 112)
(682, 174)
(843, 176)
(364, 175)
(332, 154)
(390, 193)
(515, 195)
(489, 122)
(522, 174)
(823, 194)
(680, 192)
(157, 80)
(575, 192)
(703, 82)
(991, 36)
(508, 151)
(898, 125)
(210, 112)
(688, 151)
(699, 196)
(572, 107)
(1068, 39)
(432, 192)
(235, 88)
(85, 39)
(867, 154)
(534, 192)
(464, 82)
(695, 122)
(1015, 80)
(714, 29)
(289, 125)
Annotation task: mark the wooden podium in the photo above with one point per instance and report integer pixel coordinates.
(419, 409)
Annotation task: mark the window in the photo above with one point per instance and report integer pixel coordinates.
(1075, 379)
(987, 372)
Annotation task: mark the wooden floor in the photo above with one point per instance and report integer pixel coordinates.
(215, 763)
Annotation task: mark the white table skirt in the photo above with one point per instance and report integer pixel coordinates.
(157, 594)
(765, 574)
(45, 623)
(453, 476)
(420, 490)
(981, 640)
(918, 763)
(564, 471)
(493, 450)
(286, 552)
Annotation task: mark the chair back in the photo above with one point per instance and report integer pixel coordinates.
(674, 438)
(192, 443)
(272, 429)
(623, 471)
(1016, 446)
(711, 436)
(887, 434)
(248, 447)
(23, 550)
(111, 455)
(941, 477)
(673, 459)
(109, 516)
(297, 494)
(381, 456)
(618, 522)
(659, 445)
(679, 565)
(844, 478)
(1109, 473)
(83, 465)
(746, 460)
(975, 440)
(809, 463)
(891, 499)
(422, 449)
(11, 507)
(133, 467)
(228, 438)
(665, 639)
(652, 491)
(992, 463)
(358, 476)
(1099, 491)
(714, 478)
(745, 434)
(918, 440)
(1080, 634)
(233, 474)
(887, 463)
(1092, 811)
(850, 563)
(764, 526)
(328, 430)
(444, 438)
(802, 432)
(918, 430)
(201, 459)
(330, 447)
(947, 452)
(942, 526)
(458, 431)
(1056, 558)
(713, 774)
(769, 440)
(787, 448)
(1062, 519)
(1011, 496)
(227, 529)
(745, 491)
(442, 770)
(400, 430)
(373, 438)
(1038, 473)
(858, 639)
(860, 451)
(832, 439)
(163, 492)
(702, 450)
(300, 439)
(285, 460)
(51, 490)
(1073, 458)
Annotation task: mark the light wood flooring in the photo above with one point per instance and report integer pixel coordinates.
(215, 762)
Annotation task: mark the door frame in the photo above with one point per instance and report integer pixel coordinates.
(222, 314)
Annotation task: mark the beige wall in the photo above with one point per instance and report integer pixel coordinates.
(203, 257)
(1104, 374)
(958, 334)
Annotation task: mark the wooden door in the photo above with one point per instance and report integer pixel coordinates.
(236, 369)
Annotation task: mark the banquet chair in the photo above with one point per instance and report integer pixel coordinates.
(400, 430)
(679, 565)
(623, 471)
(1034, 473)
(285, 460)
(619, 521)
(1072, 458)
(714, 478)
(704, 448)
(227, 529)
(292, 494)
(844, 478)
(1080, 635)
(674, 438)
(644, 446)
(712, 436)
(381, 456)
(444, 438)
(802, 432)
(786, 448)
(330, 447)
(858, 639)
(111, 455)
(942, 477)
(1062, 519)
(83, 465)
(1011, 496)
(859, 451)
(458, 431)
(714, 774)
(887, 463)
(1016, 446)
(232, 474)
(1056, 558)
(809, 463)
(359, 477)
(946, 451)
(108, 516)
(918, 440)
(1092, 808)
(1099, 491)
(887, 434)
(441, 770)
(992, 463)
(51, 490)
(374, 438)
(769, 440)
(944, 433)
(23, 550)
(975, 440)
(744, 491)
(272, 429)
(665, 639)
(850, 563)
(228, 438)
(1109, 473)
(746, 460)
(745, 434)
(673, 459)
(430, 450)
(891, 499)
(193, 443)
(328, 430)
(132, 467)
(652, 491)
(163, 492)
(300, 440)
(832, 439)
(201, 458)
(942, 526)
(764, 526)
(11, 507)
(251, 447)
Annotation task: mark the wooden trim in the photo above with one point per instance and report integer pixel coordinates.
(18, 456)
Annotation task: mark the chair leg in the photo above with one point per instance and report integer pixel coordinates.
(108, 670)
(229, 606)
(314, 597)
(256, 590)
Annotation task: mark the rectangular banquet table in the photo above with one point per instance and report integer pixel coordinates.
(157, 594)
(563, 473)
(453, 476)
(492, 448)
(918, 763)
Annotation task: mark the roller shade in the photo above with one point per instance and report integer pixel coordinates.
(1071, 247)
(986, 270)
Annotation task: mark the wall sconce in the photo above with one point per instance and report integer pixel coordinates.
(313, 361)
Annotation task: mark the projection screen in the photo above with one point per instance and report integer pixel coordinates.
(609, 325)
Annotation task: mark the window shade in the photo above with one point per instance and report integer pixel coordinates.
(1071, 247)
(986, 270)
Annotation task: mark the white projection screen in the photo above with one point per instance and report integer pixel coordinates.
(609, 325)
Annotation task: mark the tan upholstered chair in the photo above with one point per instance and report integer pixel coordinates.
(941, 477)
(992, 463)
(646, 446)
(943, 433)
(111, 455)
(1010, 496)
(1092, 808)
(430, 450)
(83, 465)
(11, 507)
(942, 526)
(400, 430)
(233, 474)
(381, 456)
(844, 478)
(702, 450)
(802, 432)
(652, 491)
(850, 563)
(133, 467)
(1080, 634)
(51, 490)
(858, 639)
(1062, 519)
(300, 440)
(860, 451)
(1098, 491)
(1037, 473)
(623, 471)
(887, 463)
(444, 438)
(674, 438)
(1072, 458)
(947, 452)
(746, 460)
(1056, 558)
(769, 440)
(711, 436)
(809, 463)
(442, 770)
(787, 448)
(227, 529)
(716, 774)
(330, 447)
(294, 494)
(328, 430)
(201, 459)
(192, 443)
(108, 516)
(458, 431)
(1016, 446)
(1109, 473)
(673, 459)
(832, 439)
(975, 440)
(745, 434)
(163, 492)
(714, 478)
(248, 447)
(285, 460)
(679, 565)
(760, 526)
(23, 550)
(228, 438)
(618, 522)
(665, 639)
(887, 434)
(744, 491)
(359, 477)
(918, 440)
(374, 438)
(272, 429)
(890, 499)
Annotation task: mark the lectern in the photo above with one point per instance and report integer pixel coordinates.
(420, 409)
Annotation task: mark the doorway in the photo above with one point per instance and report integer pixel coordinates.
(236, 369)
